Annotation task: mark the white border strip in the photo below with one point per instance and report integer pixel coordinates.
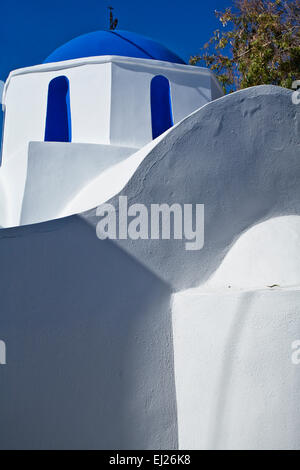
(113, 59)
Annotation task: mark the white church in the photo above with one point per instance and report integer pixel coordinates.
(93, 103)
(141, 344)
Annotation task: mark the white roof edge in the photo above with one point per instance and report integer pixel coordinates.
(110, 58)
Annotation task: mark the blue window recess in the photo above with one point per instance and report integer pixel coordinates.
(161, 105)
(58, 119)
(2, 124)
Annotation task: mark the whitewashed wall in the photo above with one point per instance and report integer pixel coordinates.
(110, 104)
(236, 384)
(236, 366)
(190, 88)
(98, 314)
(88, 343)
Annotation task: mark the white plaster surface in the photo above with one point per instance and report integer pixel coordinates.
(87, 323)
(237, 155)
(57, 172)
(110, 105)
(109, 182)
(236, 385)
(265, 255)
(89, 344)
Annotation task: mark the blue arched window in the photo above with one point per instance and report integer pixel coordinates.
(2, 117)
(58, 119)
(161, 105)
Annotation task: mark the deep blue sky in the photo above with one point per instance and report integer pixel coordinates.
(32, 29)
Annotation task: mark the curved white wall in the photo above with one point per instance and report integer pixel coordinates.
(267, 254)
(223, 157)
(237, 385)
(98, 314)
(89, 344)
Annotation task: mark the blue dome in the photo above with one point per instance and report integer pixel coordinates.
(121, 43)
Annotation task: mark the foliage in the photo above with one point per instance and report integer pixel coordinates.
(260, 44)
